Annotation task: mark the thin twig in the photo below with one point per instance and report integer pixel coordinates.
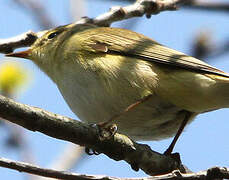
(207, 5)
(23, 40)
(210, 174)
(25, 167)
(141, 7)
(138, 9)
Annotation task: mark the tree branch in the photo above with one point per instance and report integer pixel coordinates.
(207, 5)
(32, 169)
(23, 40)
(210, 174)
(137, 9)
(119, 147)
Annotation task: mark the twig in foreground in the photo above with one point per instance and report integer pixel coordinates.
(210, 174)
(25, 167)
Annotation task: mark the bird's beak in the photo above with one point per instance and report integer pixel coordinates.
(20, 54)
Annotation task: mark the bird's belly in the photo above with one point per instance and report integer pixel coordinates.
(152, 120)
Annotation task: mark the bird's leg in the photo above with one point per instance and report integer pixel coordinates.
(180, 130)
(111, 129)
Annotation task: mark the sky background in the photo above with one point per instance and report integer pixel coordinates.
(203, 144)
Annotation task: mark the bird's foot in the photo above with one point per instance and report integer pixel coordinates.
(91, 152)
(106, 130)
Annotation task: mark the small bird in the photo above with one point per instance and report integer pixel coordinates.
(103, 71)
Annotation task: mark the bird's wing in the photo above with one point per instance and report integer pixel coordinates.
(131, 44)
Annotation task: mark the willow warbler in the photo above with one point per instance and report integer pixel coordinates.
(100, 71)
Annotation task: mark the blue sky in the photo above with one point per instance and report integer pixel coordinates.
(203, 144)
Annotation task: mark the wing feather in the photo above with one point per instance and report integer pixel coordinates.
(129, 43)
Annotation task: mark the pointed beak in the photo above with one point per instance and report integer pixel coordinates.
(21, 54)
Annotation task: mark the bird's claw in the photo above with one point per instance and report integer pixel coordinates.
(91, 152)
(107, 131)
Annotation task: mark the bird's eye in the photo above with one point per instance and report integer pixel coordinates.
(52, 35)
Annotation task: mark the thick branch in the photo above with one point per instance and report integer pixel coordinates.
(118, 147)
(212, 173)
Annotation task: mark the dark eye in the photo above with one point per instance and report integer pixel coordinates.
(52, 35)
